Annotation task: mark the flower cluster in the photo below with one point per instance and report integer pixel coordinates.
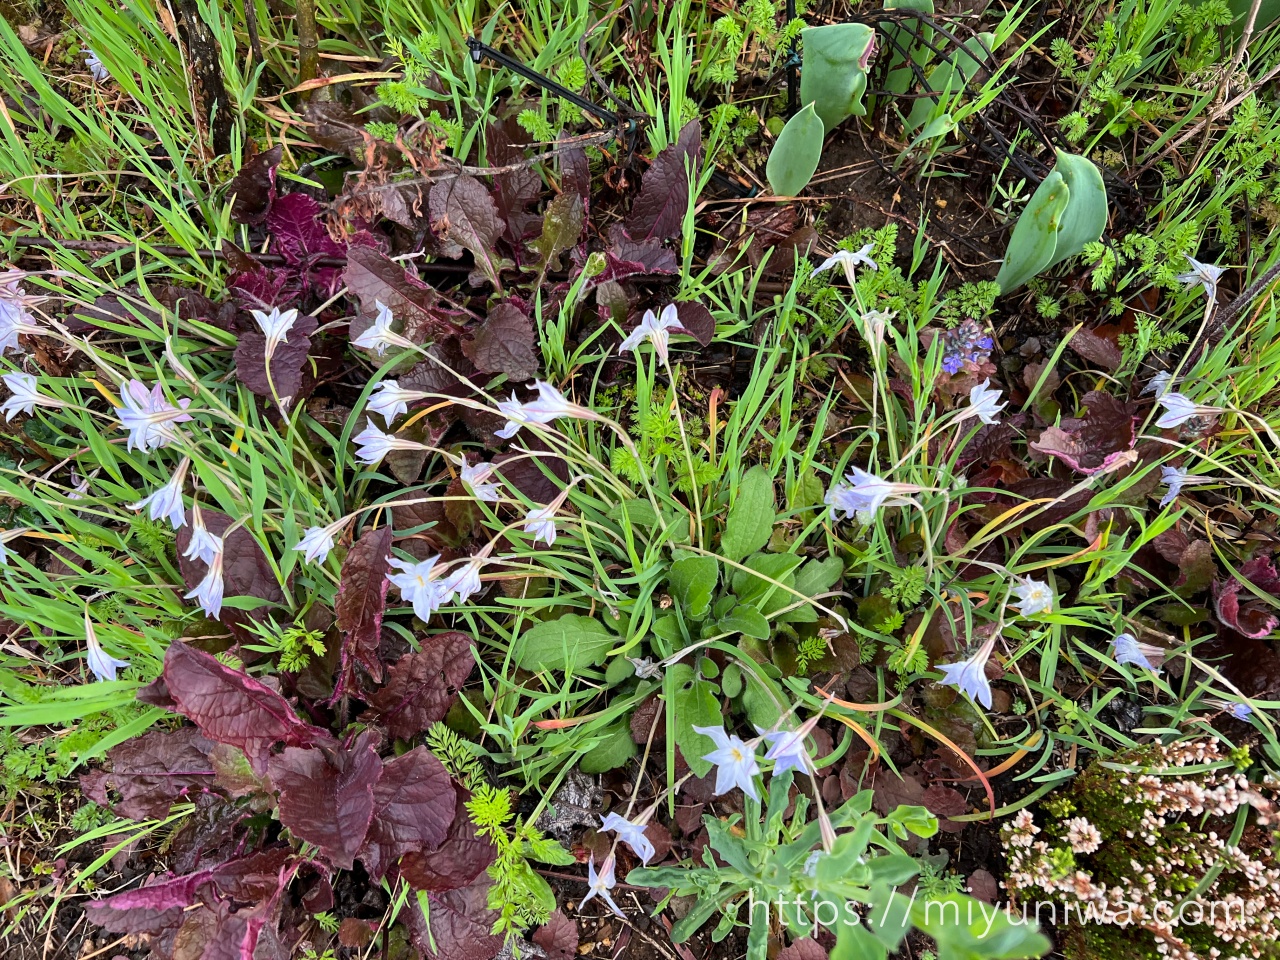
(1148, 856)
(966, 343)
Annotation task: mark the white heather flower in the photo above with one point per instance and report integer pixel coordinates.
(465, 581)
(970, 676)
(632, 834)
(1176, 478)
(656, 329)
(849, 259)
(166, 502)
(1205, 274)
(600, 884)
(550, 405)
(372, 444)
(24, 395)
(204, 545)
(208, 592)
(316, 542)
(1034, 596)
(100, 663)
(100, 73)
(983, 402)
(541, 522)
(421, 584)
(1130, 651)
(1083, 835)
(149, 416)
(275, 327)
(380, 336)
(735, 762)
(864, 493)
(390, 400)
(476, 479)
(1159, 384)
(1178, 407)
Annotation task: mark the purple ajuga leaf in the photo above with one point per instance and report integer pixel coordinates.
(1096, 349)
(375, 278)
(233, 708)
(505, 343)
(558, 937)
(297, 232)
(414, 807)
(151, 909)
(561, 229)
(422, 686)
(658, 212)
(1252, 617)
(151, 772)
(460, 858)
(540, 478)
(288, 361)
(361, 603)
(1098, 441)
(460, 924)
(265, 287)
(696, 320)
(515, 190)
(254, 187)
(463, 213)
(326, 794)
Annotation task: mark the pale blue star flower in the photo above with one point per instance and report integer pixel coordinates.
(94, 65)
(656, 329)
(24, 396)
(379, 336)
(100, 663)
(421, 584)
(632, 834)
(599, 884)
(541, 522)
(390, 399)
(208, 592)
(550, 405)
(970, 676)
(465, 581)
(1129, 651)
(1178, 410)
(1034, 596)
(275, 327)
(372, 445)
(1205, 274)
(786, 747)
(984, 402)
(316, 542)
(1159, 384)
(848, 260)
(204, 545)
(1176, 478)
(735, 762)
(149, 416)
(166, 502)
(1241, 711)
(476, 479)
(863, 493)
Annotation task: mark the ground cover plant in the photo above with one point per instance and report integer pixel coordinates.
(638, 480)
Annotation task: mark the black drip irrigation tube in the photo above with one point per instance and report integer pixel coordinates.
(628, 125)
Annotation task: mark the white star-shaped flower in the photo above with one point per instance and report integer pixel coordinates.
(599, 884)
(734, 760)
(101, 664)
(541, 522)
(275, 327)
(983, 402)
(656, 329)
(862, 492)
(1129, 650)
(24, 396)
(1205, 274)
(632, 834)
(379, 336)
(421, 584)
(849, 260)
(1034, 596)
(166, 502)
(1178, 409)
(390, 400)
(316, 542)
(476, 479)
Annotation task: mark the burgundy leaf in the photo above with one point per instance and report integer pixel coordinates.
(505, 343)
(457, 862)
(265, 287)
(288, 361)
(1096, 349)
(540, 478)
(297, 232)
(326, 795)
(513, 191)
(575, 172)
(414, 806)
(374, 277)
(150, 909)
(231, 707)
(1196, 568)
(626, 258)
(151, 772)
(362, 600)
(463, 212)
(1252, 617)
(697, 321)
(992, 442)
(460, 925)
(421, 686)
(664, 189)
(983, 885)
(1097, 442)
(254, 187)
(558, 937)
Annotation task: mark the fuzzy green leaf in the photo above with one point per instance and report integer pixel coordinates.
(751, 517)
(570, 639)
